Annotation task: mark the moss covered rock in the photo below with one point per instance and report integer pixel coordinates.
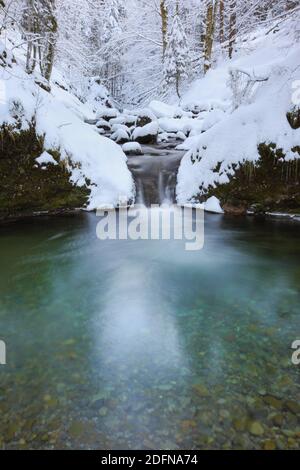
(270, 184)
(27, 187)
(293, 117)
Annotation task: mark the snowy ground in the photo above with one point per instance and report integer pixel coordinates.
(238, 116)
(60, 118)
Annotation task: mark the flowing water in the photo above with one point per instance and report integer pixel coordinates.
(155, 174)
(122, 344)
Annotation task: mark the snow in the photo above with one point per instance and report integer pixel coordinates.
(149, 129)
(213, 205)
(103, 123)
(232, 134)
(120, 134)
(117, 127)
(107, 112)
(132, 147)
(161, 109)
(183, 124)
(172, 125)
(142, 113)
(163, 137)
(60, 117)
(180, 135)
(46, 159)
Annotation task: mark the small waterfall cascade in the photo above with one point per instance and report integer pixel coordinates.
(167, 187)
(140, 197)
(155, 176)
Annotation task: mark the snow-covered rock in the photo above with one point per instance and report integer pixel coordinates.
(117, 127)
(132, 148)
(213, 205)
(180, 135)
(172, 125)
(163, 137)
(184, 124)
(46, 159)
(107, 113)
(161, 109)
(120, 136)
(146, 134)
(102, 124)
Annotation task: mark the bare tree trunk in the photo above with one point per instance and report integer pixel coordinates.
(51, 41)
(221, 14)
(209, 35)
(164, 25)
(232, 28)
(41, 26)
(30, 64)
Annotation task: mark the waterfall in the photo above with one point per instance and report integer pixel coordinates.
(155, 176)
(140, 197)
(161, 188)
(170, 189)
(166, 188)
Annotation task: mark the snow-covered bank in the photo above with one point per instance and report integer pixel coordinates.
(244, 104)
(58, 118)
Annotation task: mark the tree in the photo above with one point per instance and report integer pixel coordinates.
(221, 21)
(40, 27)
(164, 25)
(177, 55)
(112, 20)
(232, 27)
(209, 34)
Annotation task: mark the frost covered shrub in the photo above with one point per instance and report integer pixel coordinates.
(16, 110)
(243, 87)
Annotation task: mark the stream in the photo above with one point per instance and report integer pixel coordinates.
(143, 345)
(155, 174)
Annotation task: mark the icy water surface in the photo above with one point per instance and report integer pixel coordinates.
(117, 345)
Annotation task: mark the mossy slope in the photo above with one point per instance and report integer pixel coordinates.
(270, 184)
(25, 186)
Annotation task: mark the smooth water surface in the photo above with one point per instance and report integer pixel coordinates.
(117, 345)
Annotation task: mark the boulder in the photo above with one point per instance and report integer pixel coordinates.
(163, 137)
(107, 114)
(234, 208)
(146, 134)
(293, 117)
(132, 148)
(143, 117)
(120, 136)
(102, 124)
(117, 127)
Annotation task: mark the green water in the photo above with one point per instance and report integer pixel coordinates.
(117, 345)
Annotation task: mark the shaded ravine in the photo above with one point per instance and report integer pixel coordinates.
(155, 174)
